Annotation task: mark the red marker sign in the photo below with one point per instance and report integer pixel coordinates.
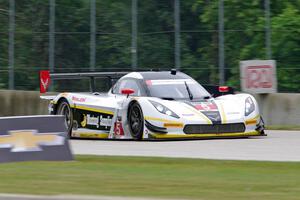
(258, 76)
(44, 80)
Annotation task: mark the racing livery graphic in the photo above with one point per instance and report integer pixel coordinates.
(155, 105)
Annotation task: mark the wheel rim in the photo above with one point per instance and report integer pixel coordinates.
(136, 123)
(66, 111)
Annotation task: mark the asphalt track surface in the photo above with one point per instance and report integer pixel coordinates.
(277, 146)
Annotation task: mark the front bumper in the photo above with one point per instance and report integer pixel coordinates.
(205, 136)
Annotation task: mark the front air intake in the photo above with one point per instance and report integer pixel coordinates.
(214, 128)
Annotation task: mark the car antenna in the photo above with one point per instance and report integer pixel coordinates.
(173, 71)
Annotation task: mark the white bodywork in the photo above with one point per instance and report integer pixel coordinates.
(113, 111)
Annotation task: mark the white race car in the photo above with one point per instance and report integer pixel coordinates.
(155, 105)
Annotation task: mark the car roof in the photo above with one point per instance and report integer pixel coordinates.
(157, 75)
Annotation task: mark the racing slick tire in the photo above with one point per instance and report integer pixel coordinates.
(65, 110)
(261, 126)
(136, 121)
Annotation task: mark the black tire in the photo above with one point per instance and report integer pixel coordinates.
(261, 126)
(136, 121)
(65, 110)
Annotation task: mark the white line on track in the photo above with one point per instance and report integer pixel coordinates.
(277, 146)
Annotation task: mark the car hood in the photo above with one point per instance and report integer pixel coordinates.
(214, 110)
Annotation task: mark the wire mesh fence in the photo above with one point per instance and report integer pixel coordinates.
(244, 38)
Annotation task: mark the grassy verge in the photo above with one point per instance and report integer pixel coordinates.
(154, 177)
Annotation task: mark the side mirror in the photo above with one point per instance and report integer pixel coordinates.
(223, 89)
(127, 91)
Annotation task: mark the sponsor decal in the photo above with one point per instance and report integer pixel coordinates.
(210, 110)
(206, 106)
(83, 122)
(79, 99)
(29, 140)
(91, 120)
(188, 115)
(97, 121)
(233, 113)
(105, 121)
(118, 129)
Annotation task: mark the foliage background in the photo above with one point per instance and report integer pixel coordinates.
(244, 38)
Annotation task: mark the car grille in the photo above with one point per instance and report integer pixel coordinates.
(214, 128)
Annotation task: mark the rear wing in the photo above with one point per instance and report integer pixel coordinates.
(46, 77)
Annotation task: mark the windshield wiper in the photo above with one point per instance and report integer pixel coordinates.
(188, 90)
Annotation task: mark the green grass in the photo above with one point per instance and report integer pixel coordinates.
(154, 177)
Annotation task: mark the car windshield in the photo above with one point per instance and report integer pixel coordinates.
(176, 89)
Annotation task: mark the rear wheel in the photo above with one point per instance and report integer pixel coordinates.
(65, 110)
(136, 121)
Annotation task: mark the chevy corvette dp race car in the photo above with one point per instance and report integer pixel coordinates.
(155, 105)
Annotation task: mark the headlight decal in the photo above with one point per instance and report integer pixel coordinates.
(163, 109)
(249, 106)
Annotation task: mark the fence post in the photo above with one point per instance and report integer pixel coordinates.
(92, 35)
(51, 50)
(177, 33)
(134, 34)
(221, 43)
(11, 45)
(268, 30)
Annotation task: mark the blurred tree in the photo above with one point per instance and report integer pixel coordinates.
(286, 47)
(114, 34)
(244, 38)
(3, 43)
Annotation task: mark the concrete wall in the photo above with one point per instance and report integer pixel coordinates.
(277, 109)
(280, 108)
(14, 103)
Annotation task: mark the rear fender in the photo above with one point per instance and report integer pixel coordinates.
(59, 98)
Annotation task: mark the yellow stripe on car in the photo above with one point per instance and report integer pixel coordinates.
(221, 109)
(93, 109)
(170, 136)
(252, 121)
(89, 134)
(173, 125)
(159, 119)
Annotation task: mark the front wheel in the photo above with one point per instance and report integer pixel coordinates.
(65, 110)
(261, 126)
(136, 121)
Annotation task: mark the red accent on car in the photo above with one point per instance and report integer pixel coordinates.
(127, 91)
(44, 80)
(148, 82)
(206, 107)
(223, 88)
(118, 129)
(79, 99)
